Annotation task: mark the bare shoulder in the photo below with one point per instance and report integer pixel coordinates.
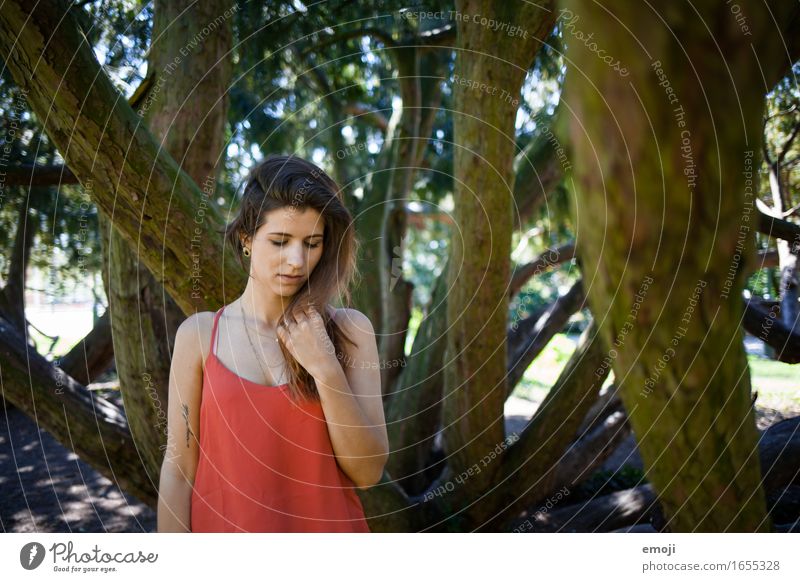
(358, 328)
(353, 321)
(194, 333)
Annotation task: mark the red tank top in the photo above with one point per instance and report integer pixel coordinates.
(266, 462)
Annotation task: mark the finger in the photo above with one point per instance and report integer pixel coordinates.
(299, 317)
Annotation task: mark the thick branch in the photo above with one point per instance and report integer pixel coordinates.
(533, 333)
(92, 355)
(414, 408)
(531, 462)
(104, 144)
(93, 427)
(587, 454)
(778, 228)
(604, 514)
(768, 327)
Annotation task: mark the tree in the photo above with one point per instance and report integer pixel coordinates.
(183, 102)
(693, 417)
(306, 81)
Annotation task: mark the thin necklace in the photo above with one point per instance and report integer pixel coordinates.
(258, 358)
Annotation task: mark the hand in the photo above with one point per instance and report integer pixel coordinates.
(307, 340)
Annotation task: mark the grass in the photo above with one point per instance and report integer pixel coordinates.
(777, 384)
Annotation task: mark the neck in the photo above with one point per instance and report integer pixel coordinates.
(265, 309)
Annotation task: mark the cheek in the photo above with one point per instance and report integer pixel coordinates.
(315, 257)
(266, 259)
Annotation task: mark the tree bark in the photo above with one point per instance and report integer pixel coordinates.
(477, 306)
(185, 109)
(92, 355)
(692, 416)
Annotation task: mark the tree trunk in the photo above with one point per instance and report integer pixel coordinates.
(13, 294)
(414, 408)
(185, 109)
(422, 96)
(490, 68)
(92, 355)
(682, 367)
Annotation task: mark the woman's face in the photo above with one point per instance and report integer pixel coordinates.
(289, 243)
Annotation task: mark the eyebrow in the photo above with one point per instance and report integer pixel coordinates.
(290, 236)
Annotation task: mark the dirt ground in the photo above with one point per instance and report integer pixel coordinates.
(46, 488)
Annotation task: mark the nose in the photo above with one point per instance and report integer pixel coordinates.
(295, 257)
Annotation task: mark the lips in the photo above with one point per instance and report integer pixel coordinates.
(290, 279)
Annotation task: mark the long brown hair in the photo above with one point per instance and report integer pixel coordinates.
(281, 181)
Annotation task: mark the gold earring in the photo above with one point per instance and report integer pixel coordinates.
(246, 252)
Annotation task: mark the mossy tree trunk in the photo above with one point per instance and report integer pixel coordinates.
(490, 68)
(421, 61)
(663, 210)
(185, 109)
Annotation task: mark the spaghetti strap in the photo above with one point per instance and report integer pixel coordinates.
(214, 331)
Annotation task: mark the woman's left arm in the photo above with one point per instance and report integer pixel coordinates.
(351, 397)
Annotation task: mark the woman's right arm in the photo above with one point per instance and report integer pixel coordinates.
(183, 422)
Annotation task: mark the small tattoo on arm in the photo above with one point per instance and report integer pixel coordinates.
(186, 418)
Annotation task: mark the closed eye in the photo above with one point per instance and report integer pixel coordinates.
(281, 243)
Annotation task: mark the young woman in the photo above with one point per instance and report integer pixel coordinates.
(275, 408)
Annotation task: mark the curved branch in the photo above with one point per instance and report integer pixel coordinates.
(777, 227)
(769, 328)
(533, 333)
(93, 427)
(105, 143)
